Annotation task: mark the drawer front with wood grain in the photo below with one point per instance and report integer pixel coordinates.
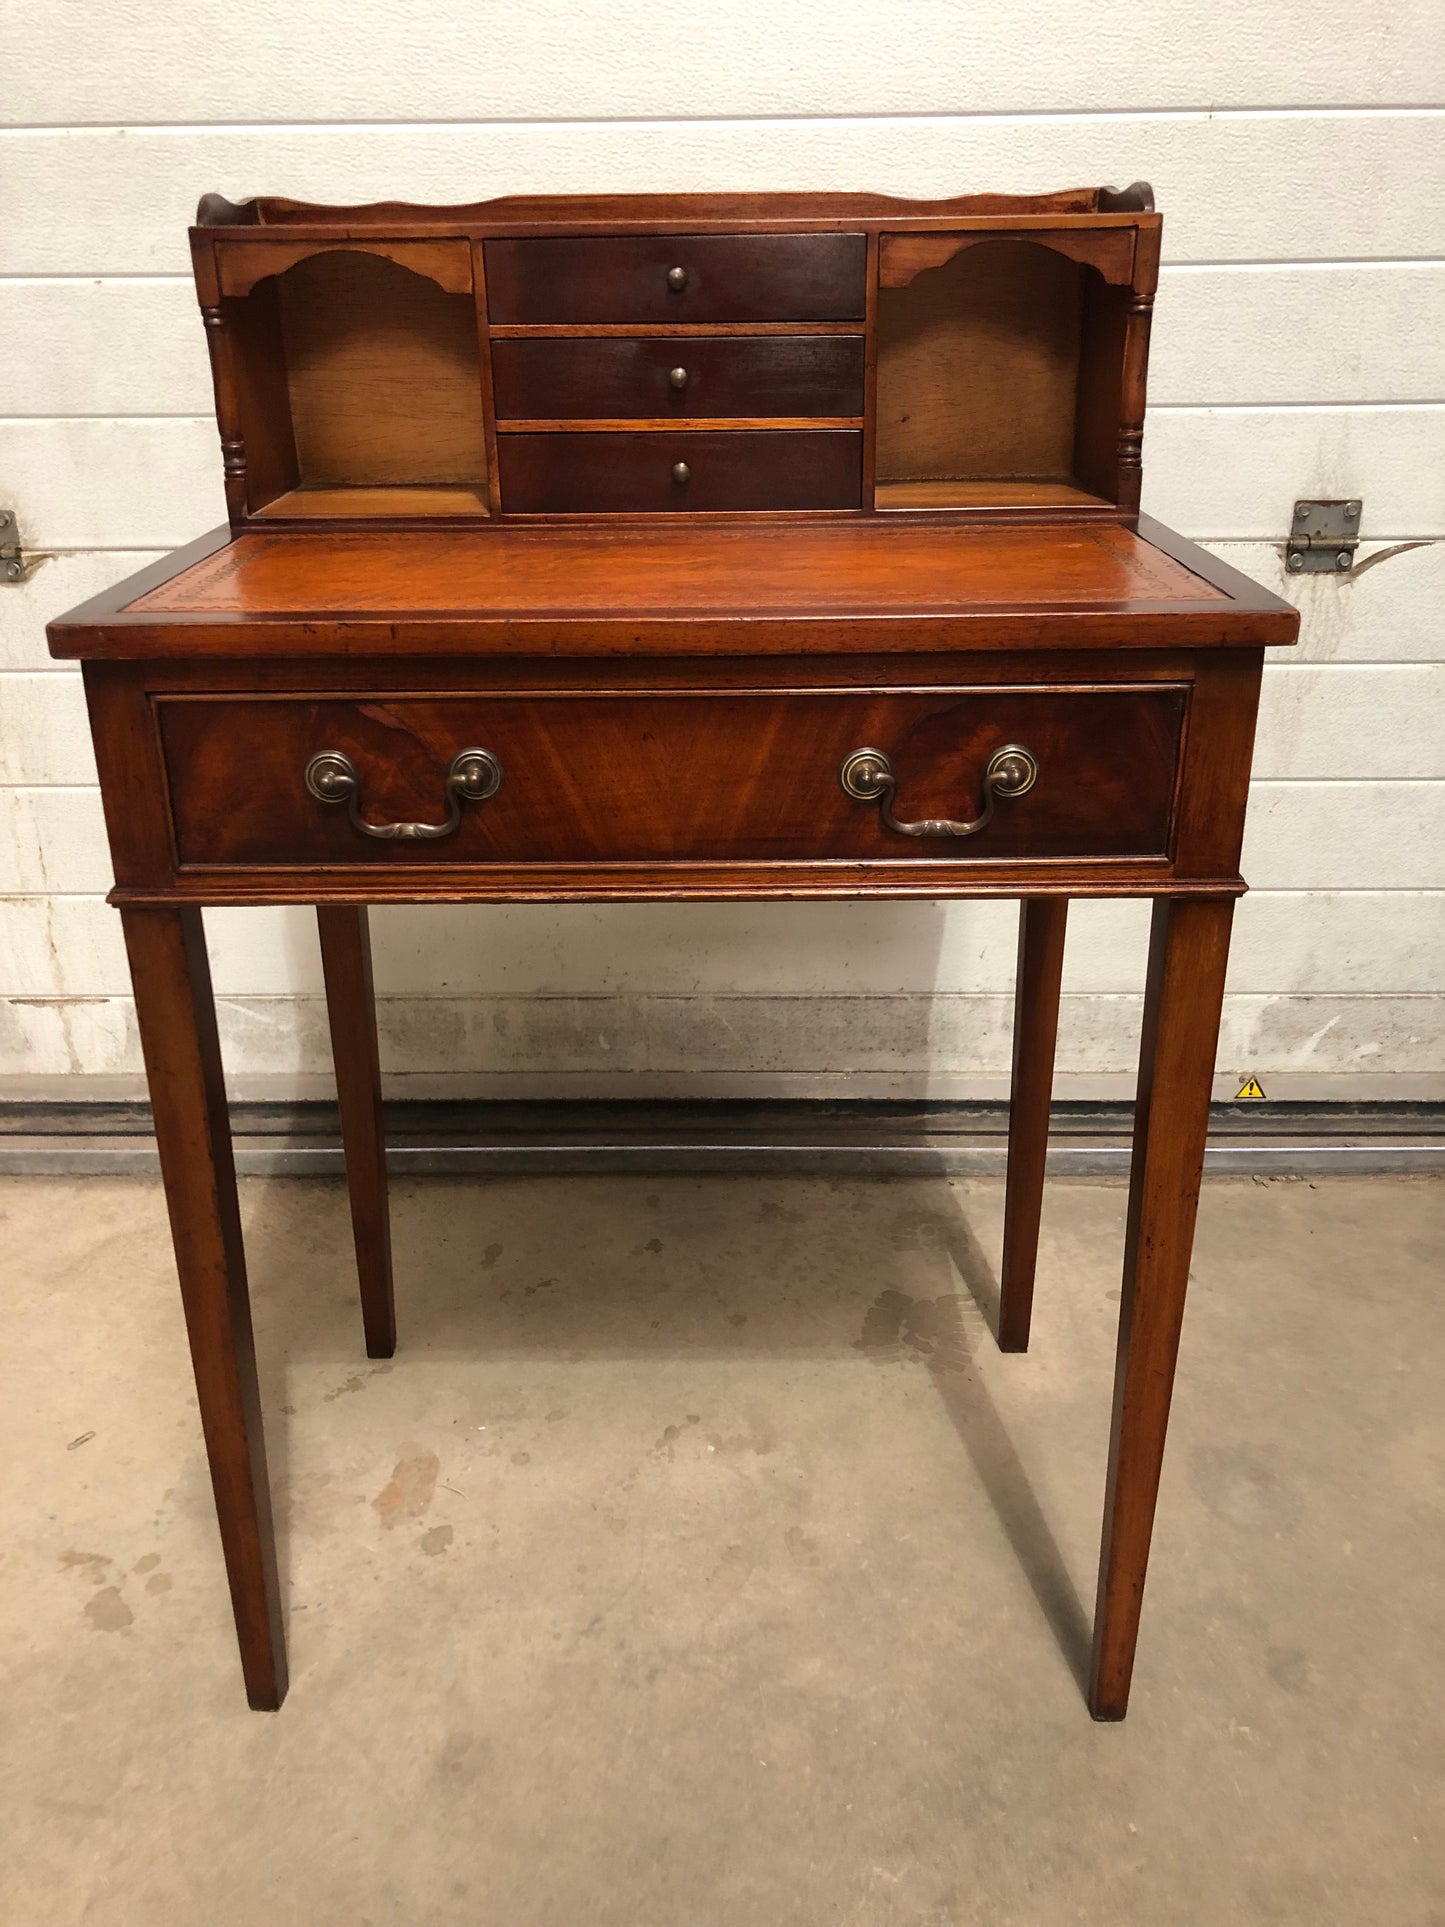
(680, 471)
(676, 278)
(772, 776)
(603, 377)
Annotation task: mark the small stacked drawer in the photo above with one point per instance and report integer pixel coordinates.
(666, 373)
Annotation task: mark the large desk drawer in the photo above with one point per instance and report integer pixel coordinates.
(676, 278)
(626, 376)
(680, 471)
(668, 777)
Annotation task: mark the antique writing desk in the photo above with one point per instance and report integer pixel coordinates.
(769, 547)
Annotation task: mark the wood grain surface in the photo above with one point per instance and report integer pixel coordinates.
(672, 778)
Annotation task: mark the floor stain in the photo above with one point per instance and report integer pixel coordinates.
(91, 1565)
(411, 1487)
(735, 1444)
(108, 1612)
(489, 1257)
(159, 1582)
(733, 1570)
(436, 1539)
(803, 1549)
(521, 1458)
(895, 1326)
(353, 1384)
(771, 1212)
(670, 1435)
(1289, 1667)
(148, 1564)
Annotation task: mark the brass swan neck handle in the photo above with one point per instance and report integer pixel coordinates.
(867, 775)
(474, 775)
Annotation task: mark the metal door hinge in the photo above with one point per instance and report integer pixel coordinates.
(12, 562)
(1323, 537)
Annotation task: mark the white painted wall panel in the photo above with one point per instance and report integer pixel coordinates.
(1301, 836)
(148, 482)
(1326, 331)
(128, 346)
(1317, 1047)
(52, 840)
(1248, 334)
(1329, 720)
(1390, 608)
(1328, 836)
(1297, 350)
(56, 584)
(1235, 187)
(1383, 720)
(420, 60)
(137, 483)
(1236, 472)
(44, 730)
(1286, 944)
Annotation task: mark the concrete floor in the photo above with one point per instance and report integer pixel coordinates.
(699, 1562)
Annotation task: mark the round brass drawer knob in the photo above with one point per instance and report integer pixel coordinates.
(678, 377)
(677, 279)
(681, 473)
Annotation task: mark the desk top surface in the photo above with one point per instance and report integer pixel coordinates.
(738, 587)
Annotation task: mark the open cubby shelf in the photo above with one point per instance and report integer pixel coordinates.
(362, 391)
(319, 500)
(991, 368)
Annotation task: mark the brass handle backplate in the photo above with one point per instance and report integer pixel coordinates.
(867, 776)
(474, 775)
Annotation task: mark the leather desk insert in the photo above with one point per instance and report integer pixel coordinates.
(707, 547)
(684, 587)
(667, 777)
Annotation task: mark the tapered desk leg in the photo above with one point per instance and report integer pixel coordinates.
(351, 1007)
(1188, 951)
(177, 1019)
(1036, 1027)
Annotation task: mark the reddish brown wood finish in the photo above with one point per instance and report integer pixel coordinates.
(680, 213)
(722, 589)
(1184, 991)
(564, 474)
(750, 776)
(177, 1020)
(241, 264)
(1109, 250)
(351, 1011)
(1042, 922)
(757, 277)
(630, 375)
(671, 700)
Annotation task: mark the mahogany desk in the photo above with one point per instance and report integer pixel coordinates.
(1053, 698)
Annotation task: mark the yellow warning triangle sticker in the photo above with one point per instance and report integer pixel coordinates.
(1249, 1089)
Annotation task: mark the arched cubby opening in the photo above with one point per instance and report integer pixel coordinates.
(999, 369)
(360, 387)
